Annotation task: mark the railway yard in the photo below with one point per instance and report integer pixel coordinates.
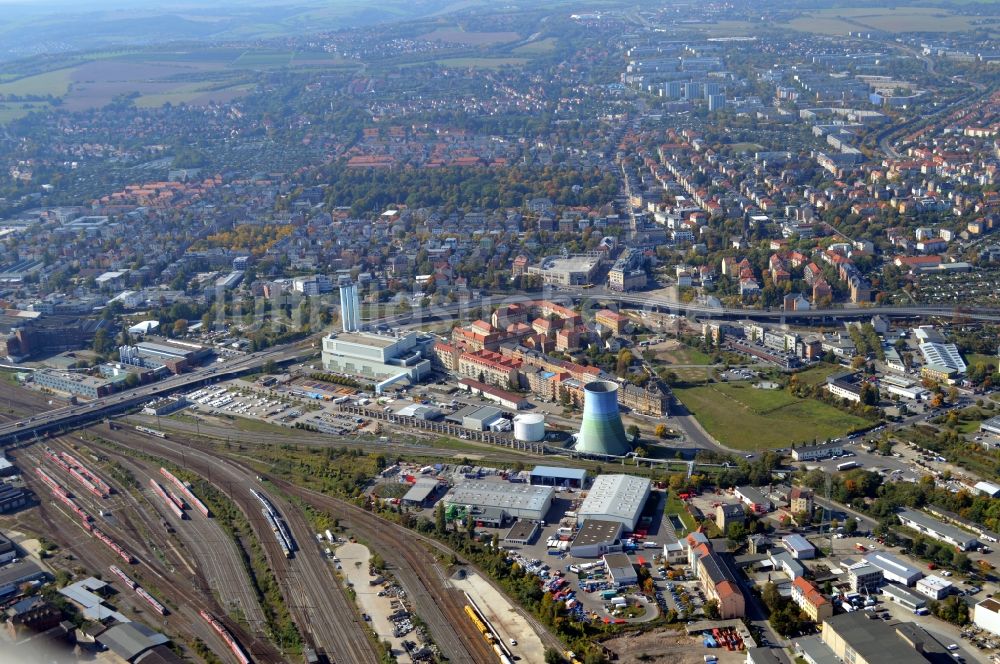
(128, 482)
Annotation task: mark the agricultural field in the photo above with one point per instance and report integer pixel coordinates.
(13, 110)
(539, 47)
(482, 63)
(190, 76)
(842, 20)
(456, 35)
(743, 417)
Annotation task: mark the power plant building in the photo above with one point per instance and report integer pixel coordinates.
(618, 498)
(602, 431)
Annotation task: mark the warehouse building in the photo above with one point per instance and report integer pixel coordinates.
(616, 498)
(15, 575)
(522, 533)
(12, 498)
(621, 571)
(893, 569)
(754, 499)
(596, 538)
(521, 501)
(556, 476)
(798, 546)
(88, 387)
(856, 638)
(943, 532)
(422, 492)
(987, 489)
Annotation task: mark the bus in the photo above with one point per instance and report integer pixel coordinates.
(847, 465)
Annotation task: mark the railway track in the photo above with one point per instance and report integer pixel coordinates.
(150, 568)
(325, 618)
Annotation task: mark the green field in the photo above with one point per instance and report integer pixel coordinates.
(818, 374)
(684, 355)
(975, 359)
(841, 20)
(742, 417)
(55, 83)
(18, 109)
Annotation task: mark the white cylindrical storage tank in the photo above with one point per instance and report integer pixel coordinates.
(529, 427)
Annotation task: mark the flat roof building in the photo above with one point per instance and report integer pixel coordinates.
(939, 530)
(987, 489)
(575, 270)
(616, 498)
(864, 577)
(376, 357)
(893, 569)
(935, 587)
(557, 476)
(621, 571)
(522, 501)
(522, 533)
(819, 451)
(596, 538)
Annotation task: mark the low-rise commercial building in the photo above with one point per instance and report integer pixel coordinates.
(621, 571)
(935, 587)
(597, 537)
(88, 387)
(864, 577)
(754, 499)
(818, 451)
(798, 546)
(903, 597)
(943, 532)
(522, 533)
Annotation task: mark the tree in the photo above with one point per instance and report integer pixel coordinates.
(180, 327)
(851, 526)
(439, 520)
(103, 344)
(711, 609)
(553, 656)
(625, 359)
(661, 431)
(633, 431)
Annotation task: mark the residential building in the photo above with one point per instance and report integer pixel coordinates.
(726, 515)
(800, 499)
(813, 603)
(653, 399)
(717, 580)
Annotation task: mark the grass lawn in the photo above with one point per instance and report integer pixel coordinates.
(257, 426)
(676, 506)
(685, 355)
(818, 374)
(742, 417)
(976, 359)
